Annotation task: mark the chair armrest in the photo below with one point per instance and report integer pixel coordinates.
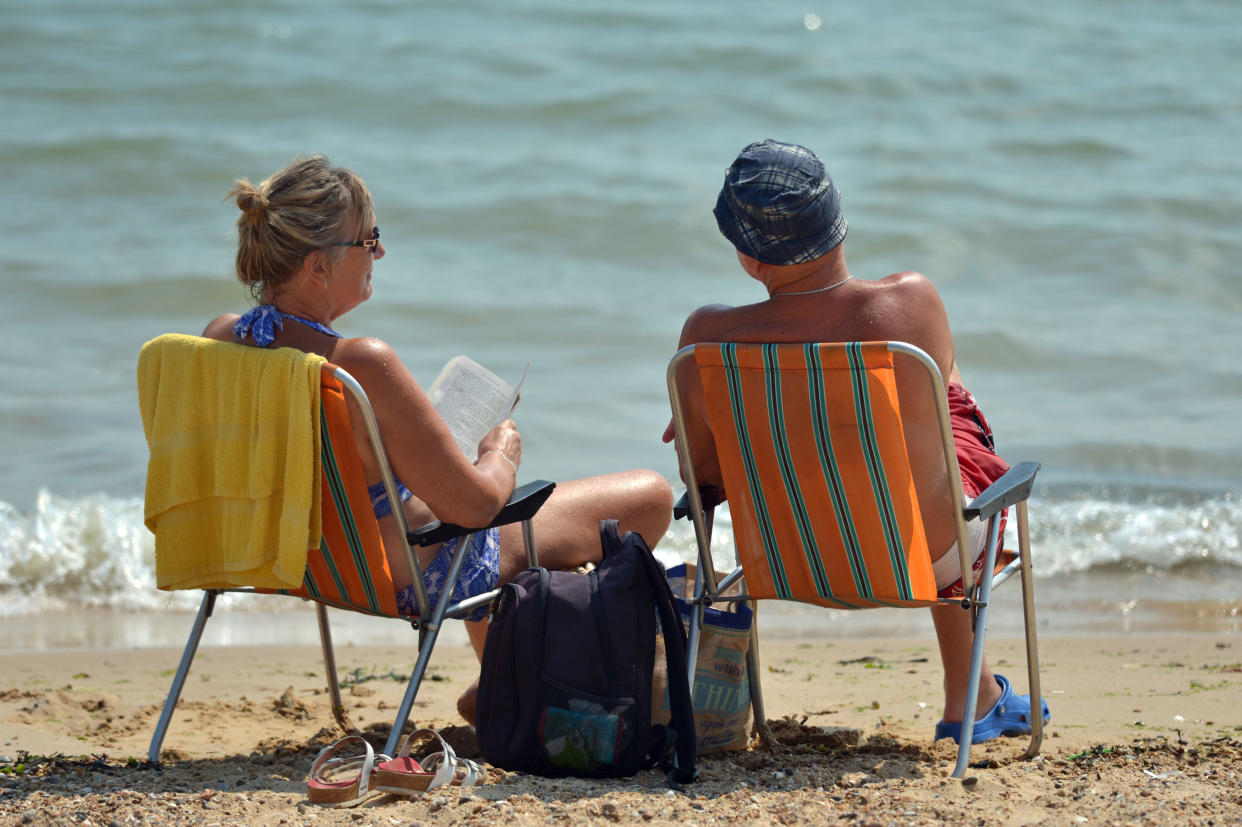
(709, 495)
(1014, 486)
(523, 503)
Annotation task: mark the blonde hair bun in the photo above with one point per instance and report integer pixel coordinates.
(252, 202)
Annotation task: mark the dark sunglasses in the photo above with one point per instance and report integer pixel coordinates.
(369, 243)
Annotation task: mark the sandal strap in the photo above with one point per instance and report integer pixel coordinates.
(414, 737)
(325, 761)
(445, 762)
(472, 772)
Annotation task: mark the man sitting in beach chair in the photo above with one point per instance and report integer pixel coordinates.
(781, 211)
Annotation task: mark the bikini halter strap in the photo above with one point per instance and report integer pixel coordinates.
(263, 321)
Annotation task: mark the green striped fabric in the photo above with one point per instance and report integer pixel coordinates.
(875, 468)
(759, 408)
(775, 563)
(332, 479)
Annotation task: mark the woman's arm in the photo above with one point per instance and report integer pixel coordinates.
(420, 446)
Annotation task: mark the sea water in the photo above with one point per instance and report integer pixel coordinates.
(544, 173)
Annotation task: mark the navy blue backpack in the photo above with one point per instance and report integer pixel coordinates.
(567, 668)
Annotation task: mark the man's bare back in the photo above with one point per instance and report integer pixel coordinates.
(901, 307)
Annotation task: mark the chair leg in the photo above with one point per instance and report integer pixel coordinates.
(426, 642)
(696, 626)
(697, 591)
(976, 652)
(755, 683)
(329, 665)
(1032, 648)
(528, 540)
(428, 632)
(183, 669)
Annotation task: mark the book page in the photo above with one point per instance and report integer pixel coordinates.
(472, 400)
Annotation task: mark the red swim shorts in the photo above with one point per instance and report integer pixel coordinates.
(978, 463)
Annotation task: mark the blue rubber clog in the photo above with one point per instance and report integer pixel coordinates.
(1010, 715)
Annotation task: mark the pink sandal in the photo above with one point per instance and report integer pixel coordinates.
(340, 780)
(405, 776)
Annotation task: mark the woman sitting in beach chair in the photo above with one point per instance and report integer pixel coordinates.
(307, 243)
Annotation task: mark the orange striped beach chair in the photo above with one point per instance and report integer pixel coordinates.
(349, 568)
(812, 450)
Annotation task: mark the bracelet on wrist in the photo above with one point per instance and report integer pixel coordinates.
(503, 456)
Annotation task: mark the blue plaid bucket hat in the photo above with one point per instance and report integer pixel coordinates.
(778, 204)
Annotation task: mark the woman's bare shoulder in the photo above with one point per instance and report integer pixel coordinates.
(373, 362)
(364, 353)
(221, 327)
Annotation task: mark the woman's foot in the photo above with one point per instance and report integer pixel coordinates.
(466, 703)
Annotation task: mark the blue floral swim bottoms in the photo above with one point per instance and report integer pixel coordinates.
(480, 571)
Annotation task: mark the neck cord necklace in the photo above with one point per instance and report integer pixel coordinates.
(832, 286)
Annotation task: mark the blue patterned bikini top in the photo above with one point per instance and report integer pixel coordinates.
(379, 497)
(261, 323)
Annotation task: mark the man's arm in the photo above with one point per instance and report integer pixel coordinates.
(701, 326)
(916, 314)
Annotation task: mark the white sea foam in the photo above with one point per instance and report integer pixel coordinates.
(95, 551)
(1079, 534)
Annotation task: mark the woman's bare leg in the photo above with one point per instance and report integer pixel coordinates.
(466, 702)
(477, 631)
(567, 527)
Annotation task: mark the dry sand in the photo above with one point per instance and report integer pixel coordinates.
(1145, 730)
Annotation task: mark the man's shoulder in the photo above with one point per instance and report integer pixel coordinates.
(711, 323)
(900, 291)
(906, 280)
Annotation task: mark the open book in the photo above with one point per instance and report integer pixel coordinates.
(472, 400)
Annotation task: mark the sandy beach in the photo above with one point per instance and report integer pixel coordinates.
(1145, 730)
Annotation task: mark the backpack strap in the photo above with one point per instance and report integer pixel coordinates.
(682, 722)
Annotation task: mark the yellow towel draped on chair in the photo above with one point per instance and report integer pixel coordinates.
(233, 480)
